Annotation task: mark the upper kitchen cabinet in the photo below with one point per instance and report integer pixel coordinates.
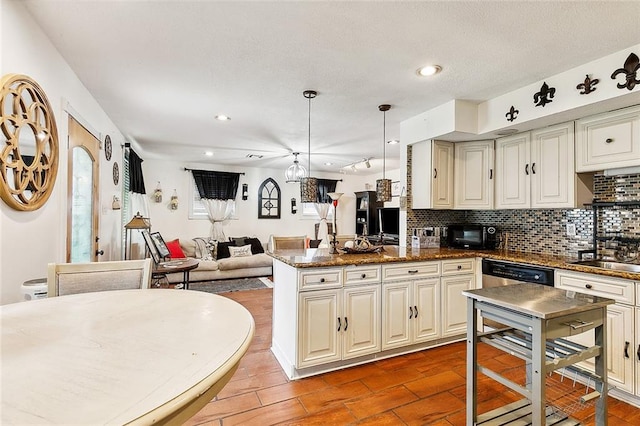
(608, 141)
(536, 170)
(432, 175)
(473, 175)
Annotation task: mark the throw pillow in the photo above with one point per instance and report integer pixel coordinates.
(243, 251)
(240, 241)
(223, 249)
(175, 251)
(256, 245)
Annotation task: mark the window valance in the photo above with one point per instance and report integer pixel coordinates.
(216, 185)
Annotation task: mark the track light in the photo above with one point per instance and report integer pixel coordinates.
(353, 168)
(366, 163)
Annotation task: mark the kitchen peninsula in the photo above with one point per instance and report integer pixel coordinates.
(331, 311)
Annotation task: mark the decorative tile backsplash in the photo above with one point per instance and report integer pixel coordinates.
(544, 231)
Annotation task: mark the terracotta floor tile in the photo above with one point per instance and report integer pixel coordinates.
(435, 384)
(429, 410)
(325, 398)
(267, 415)
(291, 389)
(380, 401)
(391, 378)
(252, 384)
(351, 374)
(218, 409)
(385, 419)
(399, 362)
(336, 416)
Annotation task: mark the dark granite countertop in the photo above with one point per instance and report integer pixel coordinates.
(317, 258)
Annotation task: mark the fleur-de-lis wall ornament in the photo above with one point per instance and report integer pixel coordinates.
(631, 67)
(512, 114)
(545, 95)
(588, 86)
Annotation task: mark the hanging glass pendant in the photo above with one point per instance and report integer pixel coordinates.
(308, 190)
(383, 190)
(296, 171)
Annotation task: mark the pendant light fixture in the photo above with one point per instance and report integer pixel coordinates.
(309, 185)
(296, 171)
(383, 186)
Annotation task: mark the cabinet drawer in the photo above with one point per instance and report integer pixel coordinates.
(316, 279)
(410, 271)
(618, 290)
(361, 275)
(458, 266)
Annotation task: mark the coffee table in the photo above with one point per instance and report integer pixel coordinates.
(161, 270)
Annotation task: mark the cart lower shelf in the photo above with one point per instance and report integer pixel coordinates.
(519, 413)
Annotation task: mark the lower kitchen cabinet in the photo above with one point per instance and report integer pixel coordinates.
(637, 354)
(454, 314)
(621, 325)
(410, 312)
(338, 324)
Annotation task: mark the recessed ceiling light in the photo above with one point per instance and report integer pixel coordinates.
(328, 163)
(223, 117)
(428, 70)
(209, 153)
(393, 142)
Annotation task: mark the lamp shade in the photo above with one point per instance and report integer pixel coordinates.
(138, 222)
(383, 190)
(308, 190)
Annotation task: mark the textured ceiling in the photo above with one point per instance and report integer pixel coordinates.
(162, 69)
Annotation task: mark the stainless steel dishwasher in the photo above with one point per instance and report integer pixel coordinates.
(496, 273)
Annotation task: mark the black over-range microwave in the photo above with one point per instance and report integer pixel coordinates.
(472, 236)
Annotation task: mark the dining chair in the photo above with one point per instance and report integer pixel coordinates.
(287, 243)
(72, 278)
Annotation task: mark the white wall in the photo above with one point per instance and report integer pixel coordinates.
(30, 240)
(176, 223)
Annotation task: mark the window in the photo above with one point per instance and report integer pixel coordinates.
(197, 211)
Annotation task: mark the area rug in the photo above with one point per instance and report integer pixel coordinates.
(238, 284)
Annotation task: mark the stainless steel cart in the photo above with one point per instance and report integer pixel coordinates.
(538, 319)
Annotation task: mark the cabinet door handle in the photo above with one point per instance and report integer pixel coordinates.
(533, 168)
(588, 286)
(526, 170)
(346, 323)
(435, 173)
(363, 276)
(321, 280)
(415, 309)
(413, 271)
(490, 174)
(339, 324)
(410, 312)
(459, 267)
(638, 352)
(626, 349)
(608, 140)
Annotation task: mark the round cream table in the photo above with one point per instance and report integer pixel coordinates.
(153, 356)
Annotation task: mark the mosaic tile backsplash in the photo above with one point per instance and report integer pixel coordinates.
(544, 231)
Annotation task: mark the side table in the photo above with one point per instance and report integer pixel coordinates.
(161, 270)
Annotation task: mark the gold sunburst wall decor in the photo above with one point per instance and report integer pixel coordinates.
(29, 157)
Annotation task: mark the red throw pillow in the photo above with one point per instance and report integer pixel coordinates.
(175, 251)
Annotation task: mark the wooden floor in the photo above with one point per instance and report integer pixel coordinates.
(423, 388)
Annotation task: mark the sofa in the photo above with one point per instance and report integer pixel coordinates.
(210, 267)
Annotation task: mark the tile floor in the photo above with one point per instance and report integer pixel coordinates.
(423, 388)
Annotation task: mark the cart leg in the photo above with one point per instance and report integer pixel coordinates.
(472, 361)
(538, 397)
(601, 370)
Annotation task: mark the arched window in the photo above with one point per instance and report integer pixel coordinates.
(269, 200)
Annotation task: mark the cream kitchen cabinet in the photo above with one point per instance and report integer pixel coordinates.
(536, 170)
(473, 175)
(608, 141)
(338, 324)
(432, 175)
(637, 352)
(418, 308)
(621, 331)
(410, 312)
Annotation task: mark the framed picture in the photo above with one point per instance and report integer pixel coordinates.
(396, 189)
(163, 251)
(151, 247)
